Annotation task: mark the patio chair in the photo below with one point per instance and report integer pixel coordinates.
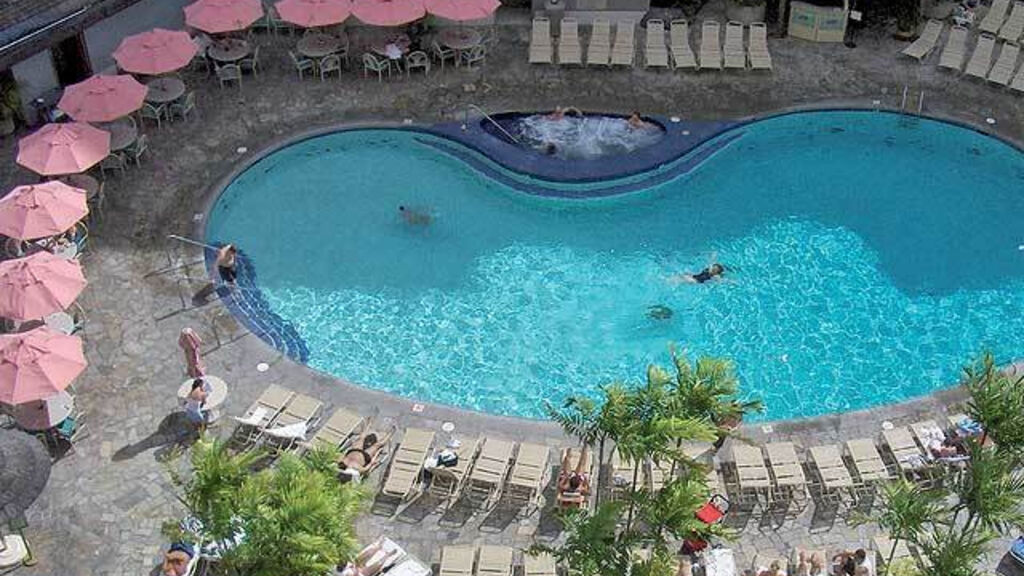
(569, 49)
(276, 23)
(981, 58)
(540, 42)
(489, 472)
(655, 50)
(138, 148)
(494, 561)
(1013, 27)
(930, 437)
(336, 432)
(867, 461)
(379, 65)
(757, 49)
(788, 480)
(296, 419)
(417, 59)
(909, 458)
(1002, 70)
(529, 474)
(182, 107)
(328, 64)
(457, 561)
(926, 42)
(834, 479)
(446, 482)
(1017, 83)
(302, 64)
(155, 113)
(752, 477)
(993, 19)
(251, 62)
(952, 56)
(443, 53)
(261, 414)
(475, 55)
(679, 42)
(114, 161)
(229, 73)
(542, 564)
(599, 50)
(624, 49)
(735, 54)
(404, 479)
(710, 46)
(622, 471)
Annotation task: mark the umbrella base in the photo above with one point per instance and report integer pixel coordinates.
(14, 551)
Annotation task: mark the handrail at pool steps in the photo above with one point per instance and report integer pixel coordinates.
(465, 121)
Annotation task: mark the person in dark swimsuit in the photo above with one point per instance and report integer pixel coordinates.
(362, 457)
(710, 273)
(227, 263)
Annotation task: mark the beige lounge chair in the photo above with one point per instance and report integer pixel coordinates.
(655, 50)
(788, 478)
(542, 564)
(298, 417)
(904, 450)
(1013, 27)
(541, 51)
(529, 474)
(494, 561)
(570, 50)
(489, 472)
(446, 482)
(832, 472)
(993, 19)
(599, 52)
(404, 479)
(735, 54)
(867, 462)
(710, 46)
(926, 42)
(262, 414)
(956, 48)
(622, 473)
(757, 49)
(574, 499)
(624, 49)
(336, 431)
(752, 477)
(1018, 81)
(679, 38)
(981, 59)
(1002, 70)
(457, 561)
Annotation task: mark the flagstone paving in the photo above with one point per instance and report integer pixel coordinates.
(102, 510)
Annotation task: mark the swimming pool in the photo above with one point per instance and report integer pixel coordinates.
(869, 257)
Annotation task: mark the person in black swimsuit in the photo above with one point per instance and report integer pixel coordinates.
(362, 457)
(711, 272)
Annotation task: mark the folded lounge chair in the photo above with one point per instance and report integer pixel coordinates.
(981, 59)
(262, 414)
(569, 48)
(457, 561)
(993, 19)
(404, 478)
(489, 472)
(494, 561)
(735, 54)
(624, 49)
(710, 46)
(599, 52)
(299, 416)
(540, 565)
(926, 42)
(1002, 70)
(655, 50)
(1013, 27)
(529, 474)
(337, 430)
(956, 47)
(679, 38)
(757, 49)
(541, 51)
(446, 482)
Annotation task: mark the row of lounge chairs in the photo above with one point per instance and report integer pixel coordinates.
(491, 561)
(1009, 28)
(739, 53)
(980, 64)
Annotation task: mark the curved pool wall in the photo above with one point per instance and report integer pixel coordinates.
(277, 331)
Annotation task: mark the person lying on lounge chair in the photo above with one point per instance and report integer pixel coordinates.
(365, 564)
(574, 483)
(363, 457)
(814, 565)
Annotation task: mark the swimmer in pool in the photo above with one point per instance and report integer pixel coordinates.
(636, 122)
(549, 149)
(710, 273)
(414, 217)
(557, 114)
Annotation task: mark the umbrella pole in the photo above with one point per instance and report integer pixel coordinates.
(191, 241)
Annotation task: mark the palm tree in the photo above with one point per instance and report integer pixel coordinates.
(997, 403)
(906, 511)
(951, 550)
(989, 490)
(671, 513)
(593, 546)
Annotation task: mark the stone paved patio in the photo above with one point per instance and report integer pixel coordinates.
(104, 504)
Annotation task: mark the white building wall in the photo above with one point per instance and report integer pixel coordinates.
(35, 77)
(102, 38)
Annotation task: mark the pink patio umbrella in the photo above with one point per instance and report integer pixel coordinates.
(155, 52)
(38, 364)
(219, 16)
(313, 13)
(462, 10)
(103, 98)
(63, 148)
(190, 342)
(37, 285)
(41, 210)
(388, 12)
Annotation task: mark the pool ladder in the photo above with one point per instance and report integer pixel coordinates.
(465, 122)
(906, 100)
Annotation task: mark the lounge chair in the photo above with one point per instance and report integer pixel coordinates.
(622, 473)
(404, 564)
(529, 474)
(735, 54)
(569, 48)
(1013, 27)
(710, 46)
(757, 48)
(261, 414)
(993, 19)
(494, 561)
(882, 546)
(929, 435)
(679, 38)
(336, 431)
(1018, 81)
(832, 472)
(599, 52)
(788, 478)
(541, 51)
(926, 42)
(457, 561)
(752, 476)
(297, 418)
(404, 479)
(655, 50)
(1002, 70)
(540, 565)
(867, 462)
(446, 482)
(489, 472)
(981, 59)
(956, 47)
(900, 444)
(574, 499)
(655, 474)
(624, 49)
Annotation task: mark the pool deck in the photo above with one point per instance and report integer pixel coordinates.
(102, 509)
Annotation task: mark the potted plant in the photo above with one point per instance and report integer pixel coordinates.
(745, 11)
(908, 15)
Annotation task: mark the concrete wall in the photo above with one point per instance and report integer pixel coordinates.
(35, 77)
(102, 38)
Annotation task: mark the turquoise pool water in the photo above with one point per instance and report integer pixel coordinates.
(868, 257)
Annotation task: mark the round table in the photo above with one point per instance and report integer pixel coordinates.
(83, 182)
(317, 46)
(44, 414)
(460, 38)
(218, 394)
(229, 50)
(164, 90)
(122, 134)
(61, 322)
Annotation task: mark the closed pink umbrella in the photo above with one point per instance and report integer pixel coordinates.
(313, 13)
(219, 16)
(38, 364)
(190, 342)
(37, 285)
(462, 10)
(388, 12)
(155, 52)
(41, 210)
(63, 148)
(103, 98)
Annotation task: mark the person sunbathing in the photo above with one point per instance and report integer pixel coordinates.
(574, 483)
(773, 569)
(358, 461)
(852, 563)
(366, 563)
(813, 566)
(177, 559)
(636, 122)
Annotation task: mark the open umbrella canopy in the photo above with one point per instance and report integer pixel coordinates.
(219, 16)
(103, 98)
(38, 364)
(67, 148)
(462, 10)
(41, 210)
(37, 285)
(24, 471)
(388, 12)
(313, 13)
(155, 52)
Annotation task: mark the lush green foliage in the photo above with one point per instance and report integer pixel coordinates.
(997, 403)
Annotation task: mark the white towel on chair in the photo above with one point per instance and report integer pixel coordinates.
(253, 419)
(295, 431)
